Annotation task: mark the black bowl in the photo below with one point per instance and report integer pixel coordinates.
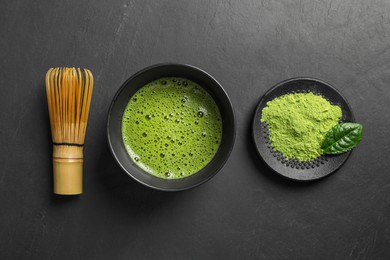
(295, 170)
(131, 86)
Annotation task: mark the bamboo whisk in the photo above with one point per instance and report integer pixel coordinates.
(69, 92)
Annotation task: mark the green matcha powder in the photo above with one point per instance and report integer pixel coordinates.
(298, 123)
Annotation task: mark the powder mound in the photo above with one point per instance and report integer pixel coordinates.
(298, 123)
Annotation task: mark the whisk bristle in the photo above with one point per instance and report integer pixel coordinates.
(69, 92)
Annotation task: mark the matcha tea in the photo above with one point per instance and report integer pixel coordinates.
(298, 124)
(171, 128)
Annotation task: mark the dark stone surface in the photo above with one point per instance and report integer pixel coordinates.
(245, 212)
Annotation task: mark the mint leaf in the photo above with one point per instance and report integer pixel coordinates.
(342, 138)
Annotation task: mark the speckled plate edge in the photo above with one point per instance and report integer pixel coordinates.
(325, 165)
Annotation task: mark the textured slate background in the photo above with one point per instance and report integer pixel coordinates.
(245, 212)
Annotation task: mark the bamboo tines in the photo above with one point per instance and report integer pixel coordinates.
(69, 92)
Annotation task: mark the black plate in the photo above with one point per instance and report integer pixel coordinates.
(132, 85)
(295, 170)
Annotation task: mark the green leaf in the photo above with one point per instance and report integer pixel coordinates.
(342, 138)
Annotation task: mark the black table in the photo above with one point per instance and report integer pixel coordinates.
(245, 212)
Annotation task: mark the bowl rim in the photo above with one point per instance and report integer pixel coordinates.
(136, 74)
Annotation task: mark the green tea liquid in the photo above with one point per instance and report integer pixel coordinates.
(171, 128)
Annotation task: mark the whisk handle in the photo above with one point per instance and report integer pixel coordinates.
(68, 169)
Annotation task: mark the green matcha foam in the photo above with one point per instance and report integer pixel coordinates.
(171, 128)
